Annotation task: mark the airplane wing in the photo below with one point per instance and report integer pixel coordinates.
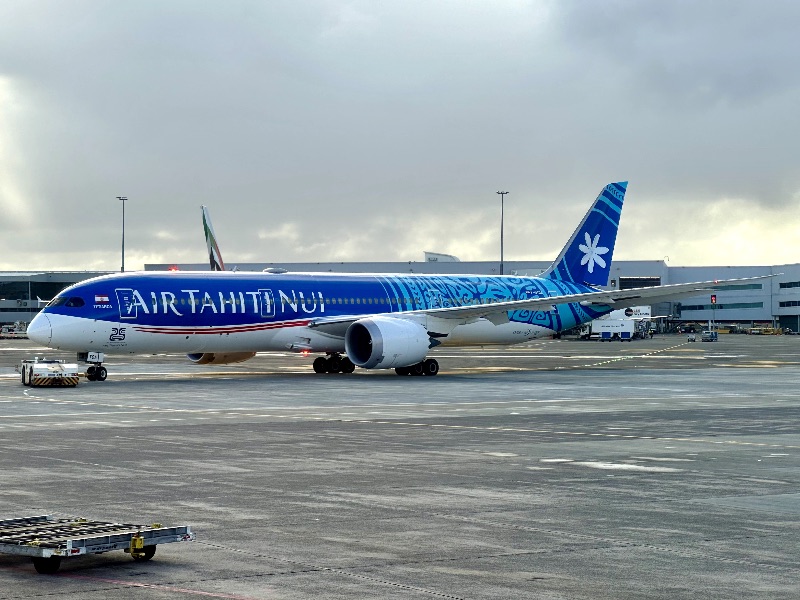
(497, 312)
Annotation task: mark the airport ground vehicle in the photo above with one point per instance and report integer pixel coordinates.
(43, 372)
(47, 539)
(611, 329)
(15, 331)
(615, 329)
(709, 336)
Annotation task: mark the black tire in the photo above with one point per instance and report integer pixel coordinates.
(147, 553)
(334, 364)
(320, 365)
(46, 566)
(90, 372)
(24, 374)
(403, 371)
(431, 367)
(347, 366)
(101, 374)
(417, 369)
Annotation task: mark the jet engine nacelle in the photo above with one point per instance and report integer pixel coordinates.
(386, 343)
(220, 358)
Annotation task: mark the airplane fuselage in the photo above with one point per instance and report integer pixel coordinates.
(250, 312)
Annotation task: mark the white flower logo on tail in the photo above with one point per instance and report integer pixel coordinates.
(592, 253)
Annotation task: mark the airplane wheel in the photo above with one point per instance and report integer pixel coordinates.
(101, 374)
(403, 371)
(430, 367)
(347, 366)
(417, 369)
(90, 372)
(320, 365)
(334, 364)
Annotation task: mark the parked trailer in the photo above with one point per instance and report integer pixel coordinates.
(47, 539)
(615, 329)
(43, 372)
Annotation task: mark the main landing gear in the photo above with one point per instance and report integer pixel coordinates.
(336, 363)
(426, 367)
(333, 363)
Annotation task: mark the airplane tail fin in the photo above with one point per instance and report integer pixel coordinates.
(587, 256)
(214, 256)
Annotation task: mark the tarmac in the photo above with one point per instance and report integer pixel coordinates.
(558, 469)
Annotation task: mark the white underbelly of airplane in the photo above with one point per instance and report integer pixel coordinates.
(72, 333)
(80, 335)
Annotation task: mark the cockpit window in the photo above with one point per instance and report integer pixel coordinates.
(58, 301)
(70, 301)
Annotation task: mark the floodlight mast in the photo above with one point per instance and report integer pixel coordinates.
(123, 199)
(502, 198)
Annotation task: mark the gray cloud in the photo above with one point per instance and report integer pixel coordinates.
(373, 131)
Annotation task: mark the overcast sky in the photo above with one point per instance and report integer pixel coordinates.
(335, 130)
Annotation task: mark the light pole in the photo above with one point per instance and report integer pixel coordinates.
(123, 199)
(502, 198)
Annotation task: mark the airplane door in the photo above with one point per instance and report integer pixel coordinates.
(267, 303)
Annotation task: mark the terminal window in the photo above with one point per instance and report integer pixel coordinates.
(790, 284)
(628, 283)
(740, 286)
(726, 306)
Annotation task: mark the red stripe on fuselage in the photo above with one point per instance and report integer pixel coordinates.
(212, 330)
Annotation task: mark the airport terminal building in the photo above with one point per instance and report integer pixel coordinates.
(773, 302)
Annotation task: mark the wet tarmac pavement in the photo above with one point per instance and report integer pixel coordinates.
(559, 469)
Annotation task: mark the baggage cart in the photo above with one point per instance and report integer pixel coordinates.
(48, 540)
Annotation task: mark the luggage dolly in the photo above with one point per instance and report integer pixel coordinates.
(47, 539)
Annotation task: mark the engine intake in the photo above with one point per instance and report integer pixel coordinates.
(220, 358)
(386, 343)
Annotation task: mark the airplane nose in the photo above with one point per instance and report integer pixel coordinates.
(40, 330)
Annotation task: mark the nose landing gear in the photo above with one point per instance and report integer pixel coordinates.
(95, 371)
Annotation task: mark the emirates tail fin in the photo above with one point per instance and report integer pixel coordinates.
(214, 256)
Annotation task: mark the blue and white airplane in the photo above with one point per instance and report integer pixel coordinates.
(373, 321)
